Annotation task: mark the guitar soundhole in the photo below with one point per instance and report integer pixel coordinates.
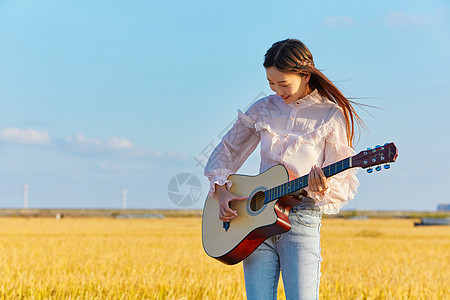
(257, 201)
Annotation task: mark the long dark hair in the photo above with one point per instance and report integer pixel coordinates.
(291, 55)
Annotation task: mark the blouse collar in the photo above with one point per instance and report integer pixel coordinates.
(310, 99)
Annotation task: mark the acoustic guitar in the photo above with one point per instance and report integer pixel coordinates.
(265, 211)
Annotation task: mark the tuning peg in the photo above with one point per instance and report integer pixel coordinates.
(378, 168)
(368, 148)
(385, 144)
(386, 166)
(377, 146)
(369, 170)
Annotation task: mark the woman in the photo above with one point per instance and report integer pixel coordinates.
(308, 124)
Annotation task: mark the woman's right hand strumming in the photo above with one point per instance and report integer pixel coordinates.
(224, 197)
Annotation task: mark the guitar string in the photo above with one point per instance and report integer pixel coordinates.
(347, 163)
(260, 198)
(326, 170)
(276, 190)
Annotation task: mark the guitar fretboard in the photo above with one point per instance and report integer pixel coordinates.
(302, 182)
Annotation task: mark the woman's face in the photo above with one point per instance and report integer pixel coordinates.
(289, 86)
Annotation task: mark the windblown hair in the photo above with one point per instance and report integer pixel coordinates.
(291, 55)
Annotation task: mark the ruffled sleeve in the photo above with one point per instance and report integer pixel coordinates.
(236, 146)
(342, 186)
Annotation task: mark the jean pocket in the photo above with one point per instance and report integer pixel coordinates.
(308, 218)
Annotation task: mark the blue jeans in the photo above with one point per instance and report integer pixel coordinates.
(296, 253)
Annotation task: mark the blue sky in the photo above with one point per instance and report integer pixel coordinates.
(101, 96)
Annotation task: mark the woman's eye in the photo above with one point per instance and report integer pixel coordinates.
(283, 85)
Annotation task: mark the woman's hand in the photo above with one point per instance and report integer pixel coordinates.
(225, 197)
(317, 182)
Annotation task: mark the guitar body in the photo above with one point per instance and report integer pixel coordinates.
(253, 225)
(265, 211)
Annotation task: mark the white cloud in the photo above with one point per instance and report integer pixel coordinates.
(118, 143)
(400, 18)
(81, 143)
(24, 136)
(140, 152)
(113, 145)
(337, 21)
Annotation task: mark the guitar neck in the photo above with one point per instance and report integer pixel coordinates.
(302, 182)
(365, 159)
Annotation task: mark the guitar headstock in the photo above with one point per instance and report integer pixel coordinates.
(376, 157)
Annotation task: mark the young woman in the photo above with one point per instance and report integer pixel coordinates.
(306, 125)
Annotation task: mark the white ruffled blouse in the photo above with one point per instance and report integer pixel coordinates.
(308, 131)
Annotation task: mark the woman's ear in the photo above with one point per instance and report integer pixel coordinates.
(307, 77)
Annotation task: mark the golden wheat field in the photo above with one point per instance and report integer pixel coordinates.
(104, 258)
